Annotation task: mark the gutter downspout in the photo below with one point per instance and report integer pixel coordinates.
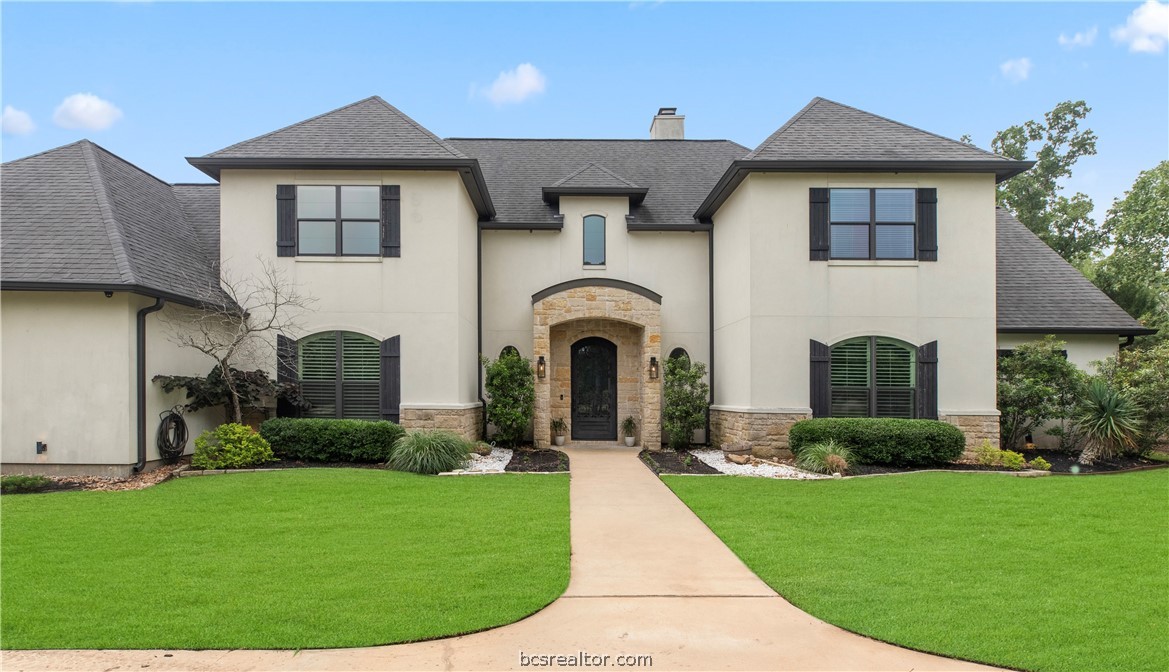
(1128, 341)
(140, 356)
(710, 305)
(479, 323)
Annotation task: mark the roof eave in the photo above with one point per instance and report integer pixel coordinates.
(468, 169)
(52, 286)
(1056, 329)
(635, 194)
(738, 171)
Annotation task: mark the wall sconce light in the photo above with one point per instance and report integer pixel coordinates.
(540, 368)
(653, 367)
(41, 447)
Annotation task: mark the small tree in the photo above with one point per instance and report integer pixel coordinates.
(684, 400)
(1142, 374)
(511, 396)
(237, 324)
(253, 388)
(1037, 384)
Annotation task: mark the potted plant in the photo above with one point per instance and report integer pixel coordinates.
(629, 428)
(558, 429)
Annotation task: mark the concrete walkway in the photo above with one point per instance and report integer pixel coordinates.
(648, 579)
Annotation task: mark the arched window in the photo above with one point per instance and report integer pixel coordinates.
(873, 377)
(509, 350)
(680, 353)
(594, 240)
(340, 375)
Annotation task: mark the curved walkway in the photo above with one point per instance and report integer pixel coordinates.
(648, 579)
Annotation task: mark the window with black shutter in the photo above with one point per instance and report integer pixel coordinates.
(340, 375)
(872, 223)
(873, 377)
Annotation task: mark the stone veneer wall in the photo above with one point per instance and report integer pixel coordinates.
(766, 432)
(627, 338)
(593, 303)
(977, 428)
(466, 422)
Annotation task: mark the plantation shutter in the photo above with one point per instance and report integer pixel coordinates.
(927, 381)
(821, 388)
(818, 229)
(285, 220)
(391, 220)
(318, 374)
(850, 376)
(893, 385)
(285, 373)
(391, 378)
(927, 224)
(360, 377)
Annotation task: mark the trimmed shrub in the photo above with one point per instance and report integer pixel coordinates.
(1040, 464)
(231, 446)
(1013, 461)
(829, 457)
(511, 395)
(326, 440)
(685, 400)
(22, 483)
(893, 441)
(988, 455)
(430, 452)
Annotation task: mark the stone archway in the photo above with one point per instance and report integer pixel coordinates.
(626, 314)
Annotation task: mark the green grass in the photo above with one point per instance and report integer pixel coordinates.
(289, 559)
(1057, 573)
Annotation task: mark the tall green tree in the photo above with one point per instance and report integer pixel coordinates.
(1035, 197)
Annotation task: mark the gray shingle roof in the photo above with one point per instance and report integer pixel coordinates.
(591, 175)
(367, 129)
(826, 130)
(79, 215)
(678, 174)
(1040, 292)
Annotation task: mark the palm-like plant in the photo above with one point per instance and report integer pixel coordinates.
(1109, 420)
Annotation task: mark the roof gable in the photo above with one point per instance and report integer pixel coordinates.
(827, 130)
(591, 175)
(368, 129)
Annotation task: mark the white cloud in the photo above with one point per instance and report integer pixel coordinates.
(515, 86)
(1084, 39)
(85, 110)
(16, 122)
(1016, 69)
(1147, 28)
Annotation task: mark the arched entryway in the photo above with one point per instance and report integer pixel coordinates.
(594, 390)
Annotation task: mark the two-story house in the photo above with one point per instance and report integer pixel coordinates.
(849, 265)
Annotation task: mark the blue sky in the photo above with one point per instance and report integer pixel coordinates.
(169, 80)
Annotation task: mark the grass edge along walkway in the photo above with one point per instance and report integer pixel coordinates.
(1047, 574)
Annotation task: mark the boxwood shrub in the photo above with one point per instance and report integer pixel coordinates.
(325, 440)
(892, 441)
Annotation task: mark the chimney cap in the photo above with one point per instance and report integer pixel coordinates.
(667, 111)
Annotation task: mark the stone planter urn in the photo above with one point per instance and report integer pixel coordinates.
(558, 440)
(629, 441)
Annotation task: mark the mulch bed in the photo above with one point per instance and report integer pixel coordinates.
(669, 462)
(1061, 463)
(51, 486)
(530, 460)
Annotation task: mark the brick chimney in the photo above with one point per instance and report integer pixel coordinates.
(667, 125)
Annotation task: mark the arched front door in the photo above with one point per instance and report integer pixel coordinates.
(594, 390)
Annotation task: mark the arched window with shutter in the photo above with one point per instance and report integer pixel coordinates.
(340, 375)
(873, 377)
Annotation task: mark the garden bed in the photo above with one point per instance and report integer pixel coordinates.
(544, 460)
(670, 462)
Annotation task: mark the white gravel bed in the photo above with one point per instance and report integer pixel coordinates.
(496, 461)
(715, 458)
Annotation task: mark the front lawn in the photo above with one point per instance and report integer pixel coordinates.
(1056, 573)
(288, 559)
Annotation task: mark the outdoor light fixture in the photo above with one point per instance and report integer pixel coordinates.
(41, 447)
(653, 367)
(540, 367)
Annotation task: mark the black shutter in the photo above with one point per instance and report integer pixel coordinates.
(927, 381)
(286, 220)
(818, 230)
(391, 391)
(391, 221)
(927, 224)
(821, 380)
(286, 373)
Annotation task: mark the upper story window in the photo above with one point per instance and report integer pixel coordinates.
(338, 220)
(594, 240)
(873, 377)
(873, 223)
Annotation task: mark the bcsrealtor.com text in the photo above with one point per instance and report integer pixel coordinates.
(580, 659)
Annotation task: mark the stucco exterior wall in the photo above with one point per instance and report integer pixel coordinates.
(69, 381)
(792, 299)
(427, 296)
(1083, 349)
